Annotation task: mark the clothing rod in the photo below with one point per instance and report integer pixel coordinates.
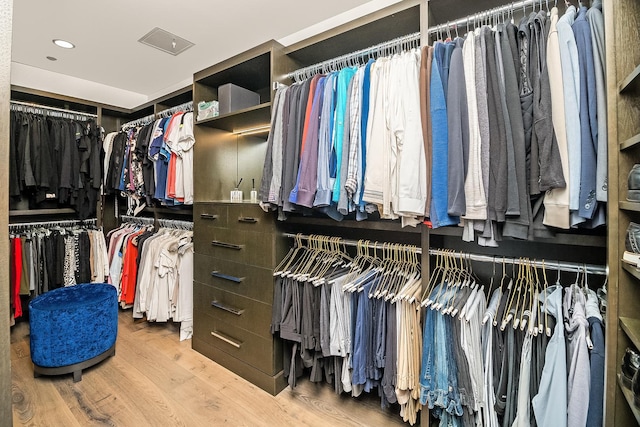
(141, 121)
(137, 219)
(44, 107)
(63, 222)
(497, 259)
(480, 15)
(187, 106)
(320, 66)
(175, 223)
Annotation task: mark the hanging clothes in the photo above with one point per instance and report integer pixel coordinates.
(43, 259)
(55, 161)
(353, 322)
(153, 272)
(152, 162)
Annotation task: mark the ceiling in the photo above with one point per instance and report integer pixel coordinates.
(109, 65)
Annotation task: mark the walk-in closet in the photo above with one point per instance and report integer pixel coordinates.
(414, 212)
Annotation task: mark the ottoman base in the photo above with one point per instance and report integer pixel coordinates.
(76, 368)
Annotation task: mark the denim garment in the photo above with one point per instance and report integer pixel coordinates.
(438, 378)
(362, 331)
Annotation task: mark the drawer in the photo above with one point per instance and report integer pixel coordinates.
(210, 215)
(246, 216)
(241, 246)
(245, 313)
(246, 280)
(239, 343)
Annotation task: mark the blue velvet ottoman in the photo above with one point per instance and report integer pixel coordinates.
(73, 328)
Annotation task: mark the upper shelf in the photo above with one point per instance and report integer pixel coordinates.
(253, 73)
(631, 82)
(631, 142)
(632, 328)
(629, 206)
(248, 118)
(635, 272)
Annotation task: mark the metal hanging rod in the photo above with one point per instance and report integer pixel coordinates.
(174, 223)
(554, 265)
(137, 219)
(187, 106)
(60, 223)
(483, 15)
(43, 109)
(139, 122)
(358, 57)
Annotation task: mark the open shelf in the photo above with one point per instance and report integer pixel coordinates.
(629, 206)
(559, 239)
(41, 212)
(631, 142)
(258, 115)
(632, 328)
(628, 395)
(635, 272)
(631, 83)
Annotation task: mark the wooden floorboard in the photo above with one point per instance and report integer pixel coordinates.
(156, 380)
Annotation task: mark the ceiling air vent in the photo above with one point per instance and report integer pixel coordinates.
(165, 41)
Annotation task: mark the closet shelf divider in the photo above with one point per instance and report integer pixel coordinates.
(251, 117)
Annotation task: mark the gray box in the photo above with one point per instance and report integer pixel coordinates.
(233, 98)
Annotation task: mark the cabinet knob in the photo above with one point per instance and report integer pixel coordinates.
(208, 216)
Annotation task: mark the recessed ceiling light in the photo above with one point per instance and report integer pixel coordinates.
(63, 43)
(52, 58)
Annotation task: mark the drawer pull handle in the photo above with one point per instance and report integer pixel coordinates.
(227, 277)
(226, 245)
(208, 216)
(226, 339)
(230, 309)
(247, 219)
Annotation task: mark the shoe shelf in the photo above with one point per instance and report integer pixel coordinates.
(632, 328)
(628, 395)
(631, 83)
(635, 272)
(631, 142)
(629, 206)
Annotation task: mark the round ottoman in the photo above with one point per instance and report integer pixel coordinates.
(73, 328)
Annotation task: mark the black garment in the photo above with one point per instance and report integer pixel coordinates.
(83, 273)
(116, 162)
(14, 179)
(497, 201)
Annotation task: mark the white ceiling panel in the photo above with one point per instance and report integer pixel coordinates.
(106, 35)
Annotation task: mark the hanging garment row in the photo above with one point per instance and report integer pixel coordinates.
(354, 321)
(46, 256)
(488, 355)
(477, 131)
(152, 162)
(54, 161)
(529, 354)
(153, 271)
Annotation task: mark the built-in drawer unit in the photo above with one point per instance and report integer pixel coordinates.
(246, 313)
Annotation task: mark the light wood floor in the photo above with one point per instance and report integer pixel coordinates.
(156, 380)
